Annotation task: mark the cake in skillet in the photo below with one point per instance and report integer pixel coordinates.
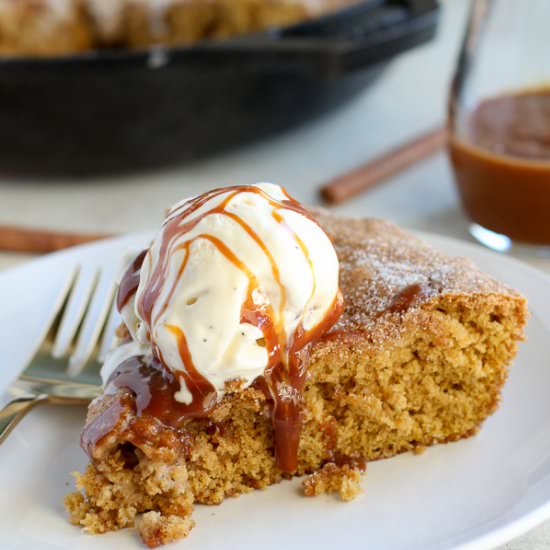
(328, 343)
(185, 22)
(60, 27)
(43, 27)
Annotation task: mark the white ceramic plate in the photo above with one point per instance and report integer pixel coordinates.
(476, 493)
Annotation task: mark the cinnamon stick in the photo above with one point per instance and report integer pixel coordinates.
(40, 241)
(373, 172)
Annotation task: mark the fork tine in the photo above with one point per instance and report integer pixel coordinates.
(81, 292)
(50, 328)
(95, 320)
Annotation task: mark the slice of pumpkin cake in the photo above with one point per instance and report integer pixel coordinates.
(261, 341)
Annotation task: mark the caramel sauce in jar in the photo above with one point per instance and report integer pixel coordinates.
(502, 164)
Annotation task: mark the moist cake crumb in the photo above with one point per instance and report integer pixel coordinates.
(331, 478)
(156, 529)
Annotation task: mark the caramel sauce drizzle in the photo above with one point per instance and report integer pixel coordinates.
(154, 387)
(130, 281)
(286, 372)
(405, 298)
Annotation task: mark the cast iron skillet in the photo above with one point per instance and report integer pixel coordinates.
(113, 111)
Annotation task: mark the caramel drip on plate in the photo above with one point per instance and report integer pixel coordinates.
(286, 371)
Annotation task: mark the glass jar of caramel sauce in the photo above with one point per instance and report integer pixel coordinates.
(499, 123)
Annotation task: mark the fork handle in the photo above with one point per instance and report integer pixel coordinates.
(15, 411)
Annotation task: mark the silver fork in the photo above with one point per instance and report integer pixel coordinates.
(65, 368)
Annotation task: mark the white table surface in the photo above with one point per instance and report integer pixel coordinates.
(409, 98)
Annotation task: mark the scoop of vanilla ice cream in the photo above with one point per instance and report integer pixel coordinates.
(212, 255)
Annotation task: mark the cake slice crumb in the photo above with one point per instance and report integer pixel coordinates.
(156, 529)
(344, 480)
(76, 505)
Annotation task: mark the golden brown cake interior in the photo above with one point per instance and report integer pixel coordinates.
(418, 358)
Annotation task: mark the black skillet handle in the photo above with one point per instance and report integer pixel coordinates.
(370, 33)
(404, 24)
(367, 33)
